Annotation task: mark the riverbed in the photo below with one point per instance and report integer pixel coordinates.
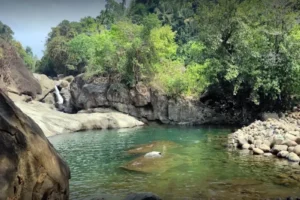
(202, 168)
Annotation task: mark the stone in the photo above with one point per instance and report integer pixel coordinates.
(290, 143)
(246, 146)
(30, 166)
(268, 154)
(293, 157)
(297, 140)
(53, 122)
(290, 137)
(278, 140)
(14, 75)
(46, 83)
(282, 154)
(257, 143)
(251, 146)
(277, 148)
(250, 139)
(257, 151)
(64, 84)
(268, 115)
(241, 140)
(69, 78)
(291, 149)
(142, 196)
(153, 154)
(297, 150)
(267, 142)
(265, 147)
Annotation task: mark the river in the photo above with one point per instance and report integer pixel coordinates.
(201, 167)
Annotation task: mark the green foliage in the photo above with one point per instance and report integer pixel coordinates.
(247, 49)
(5, 32)
(163, 43)
(26, 54)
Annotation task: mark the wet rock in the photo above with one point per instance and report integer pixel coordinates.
(142, 196)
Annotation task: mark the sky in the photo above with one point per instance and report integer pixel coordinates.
(31, 20)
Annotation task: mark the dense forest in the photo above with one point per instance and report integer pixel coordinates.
(246, 51)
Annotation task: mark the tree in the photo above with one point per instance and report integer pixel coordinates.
(5, 32)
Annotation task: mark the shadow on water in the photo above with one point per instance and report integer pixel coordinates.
(200, 167)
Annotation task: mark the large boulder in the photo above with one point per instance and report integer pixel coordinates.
(30, 166)
(89, 93)
(14, 76)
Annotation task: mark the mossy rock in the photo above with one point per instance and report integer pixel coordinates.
(152, 165)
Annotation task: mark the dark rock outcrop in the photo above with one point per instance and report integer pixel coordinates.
(142, 196)
(14, 76)
(142, 102)
(30, 167)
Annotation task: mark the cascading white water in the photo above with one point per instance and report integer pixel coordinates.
(60, 99)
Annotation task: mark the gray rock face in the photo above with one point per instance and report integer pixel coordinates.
(14, 75)
(30, 166)
(140, 101)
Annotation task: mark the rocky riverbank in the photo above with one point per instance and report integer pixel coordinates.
(273, 137)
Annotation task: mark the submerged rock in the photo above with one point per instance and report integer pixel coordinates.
(146, 165)
(142, 196)
(153, 154)
(30, 166)
(160, 146)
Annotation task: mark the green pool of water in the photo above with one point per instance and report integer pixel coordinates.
(203, 167)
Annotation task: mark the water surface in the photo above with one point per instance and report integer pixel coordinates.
(205, 169)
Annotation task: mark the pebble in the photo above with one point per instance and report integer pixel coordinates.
(257, 151)
(278, 136)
